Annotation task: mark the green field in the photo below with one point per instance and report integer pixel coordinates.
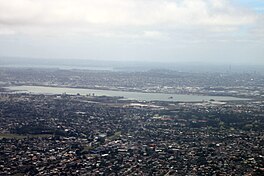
(115, 136)
(17, 136)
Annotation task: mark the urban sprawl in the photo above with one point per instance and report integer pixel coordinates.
(62, 134)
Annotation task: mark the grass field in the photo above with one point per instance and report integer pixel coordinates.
(115, 136)
(17, 136)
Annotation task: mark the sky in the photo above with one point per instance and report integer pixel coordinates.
(208, 31)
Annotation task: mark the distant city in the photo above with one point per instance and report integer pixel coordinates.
(57, 121)
(130, 66)
(131, 88)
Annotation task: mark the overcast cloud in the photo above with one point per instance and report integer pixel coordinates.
(155, 30)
